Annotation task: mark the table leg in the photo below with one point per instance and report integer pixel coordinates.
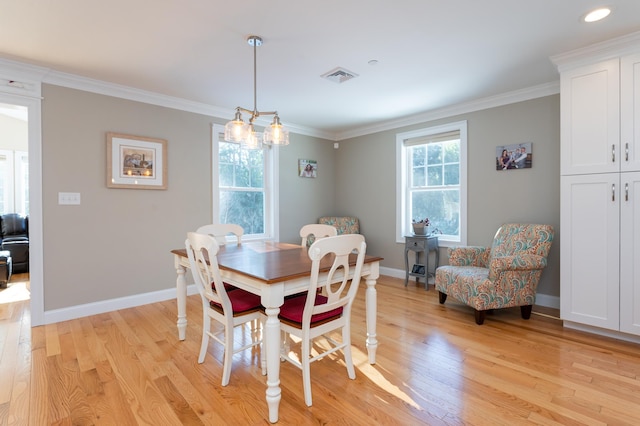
(272, 343)
(181, 298)
(426, 268)
(372, 303)
(406, 266)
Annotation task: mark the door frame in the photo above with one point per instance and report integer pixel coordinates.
(21, 84)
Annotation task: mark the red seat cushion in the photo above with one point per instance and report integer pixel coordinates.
(227, 286)
(292, 309)
(241, 301)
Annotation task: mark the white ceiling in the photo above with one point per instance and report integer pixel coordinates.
(431, 54)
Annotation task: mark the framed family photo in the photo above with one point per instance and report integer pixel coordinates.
(514, 157)
(307, 168)
(136, 162)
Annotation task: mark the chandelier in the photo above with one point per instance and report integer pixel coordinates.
(243, 133)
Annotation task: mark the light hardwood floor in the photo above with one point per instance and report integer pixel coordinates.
(435, 366)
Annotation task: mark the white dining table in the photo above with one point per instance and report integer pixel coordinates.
(273, 270)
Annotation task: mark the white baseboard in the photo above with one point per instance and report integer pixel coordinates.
(79, 311)
(541, 299)
(601, 331)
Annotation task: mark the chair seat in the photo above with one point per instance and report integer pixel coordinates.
(241, 301)
(227, 286)
(293, 308)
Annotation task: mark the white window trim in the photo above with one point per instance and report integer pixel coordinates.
(401, 179)
(272, 193)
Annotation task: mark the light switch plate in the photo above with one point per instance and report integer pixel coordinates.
(69, 198)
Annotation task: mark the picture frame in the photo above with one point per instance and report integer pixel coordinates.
(514, 157)
(307, 168)
(136, 162)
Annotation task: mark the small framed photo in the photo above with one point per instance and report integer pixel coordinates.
(307, 168)
(136, 162)
(514, 157)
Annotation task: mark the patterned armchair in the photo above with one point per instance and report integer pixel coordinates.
(502, 276)
(344, 224)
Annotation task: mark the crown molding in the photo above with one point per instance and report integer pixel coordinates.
(125, 92)
(521, 95)
(602, 51)
(21, 79)
(34, 74)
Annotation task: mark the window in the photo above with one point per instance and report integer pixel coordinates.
(243, 189)
(431, 181)
(14, 182)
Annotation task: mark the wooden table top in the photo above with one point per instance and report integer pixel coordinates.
(269, 261)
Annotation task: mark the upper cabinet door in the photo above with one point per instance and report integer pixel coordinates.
(590, 119)
(630, 113)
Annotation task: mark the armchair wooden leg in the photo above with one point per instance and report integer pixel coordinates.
(525, 311)
(442, 297)
(479, 317)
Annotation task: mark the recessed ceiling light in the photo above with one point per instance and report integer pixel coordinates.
(597, 14)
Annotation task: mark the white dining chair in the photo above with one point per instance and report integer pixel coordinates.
(221, 232)
(230, 308)
(312, 315)
(318, 231)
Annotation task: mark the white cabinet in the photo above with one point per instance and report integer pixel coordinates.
(600, 106)
(630, 113)
(600, 192)
(630, 253)
(590, 117)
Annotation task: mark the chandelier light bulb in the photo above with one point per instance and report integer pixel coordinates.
(275, 134)
(233, 130)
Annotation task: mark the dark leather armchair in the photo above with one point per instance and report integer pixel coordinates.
(14, 237)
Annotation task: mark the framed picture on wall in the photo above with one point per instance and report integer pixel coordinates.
(307, 168)
(136, 162)
(514, 157)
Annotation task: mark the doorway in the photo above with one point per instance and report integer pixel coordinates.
(14, 196)
(26, 109)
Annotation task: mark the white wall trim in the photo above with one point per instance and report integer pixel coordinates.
(601, 331)
(521, 95)
(20, 84)
(125, 92)
(72, 81)
(95, 308)
(602, 51)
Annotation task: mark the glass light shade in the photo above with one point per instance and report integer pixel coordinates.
(234, 129)
(275, 133)
(253, 139)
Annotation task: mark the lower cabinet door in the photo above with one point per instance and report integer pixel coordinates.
(590, 249)
(630, 253)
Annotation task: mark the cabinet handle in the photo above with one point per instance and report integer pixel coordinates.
(626, 191)
(613, 153)
(626, 151)
(613, 192)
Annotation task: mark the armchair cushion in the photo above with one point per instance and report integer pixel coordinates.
(469, 256)
(503, 276)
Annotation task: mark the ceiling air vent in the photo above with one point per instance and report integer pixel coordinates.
(339, 75)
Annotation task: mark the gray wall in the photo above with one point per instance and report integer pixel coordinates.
(304, 200)
(367, 175)
(117, 242)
